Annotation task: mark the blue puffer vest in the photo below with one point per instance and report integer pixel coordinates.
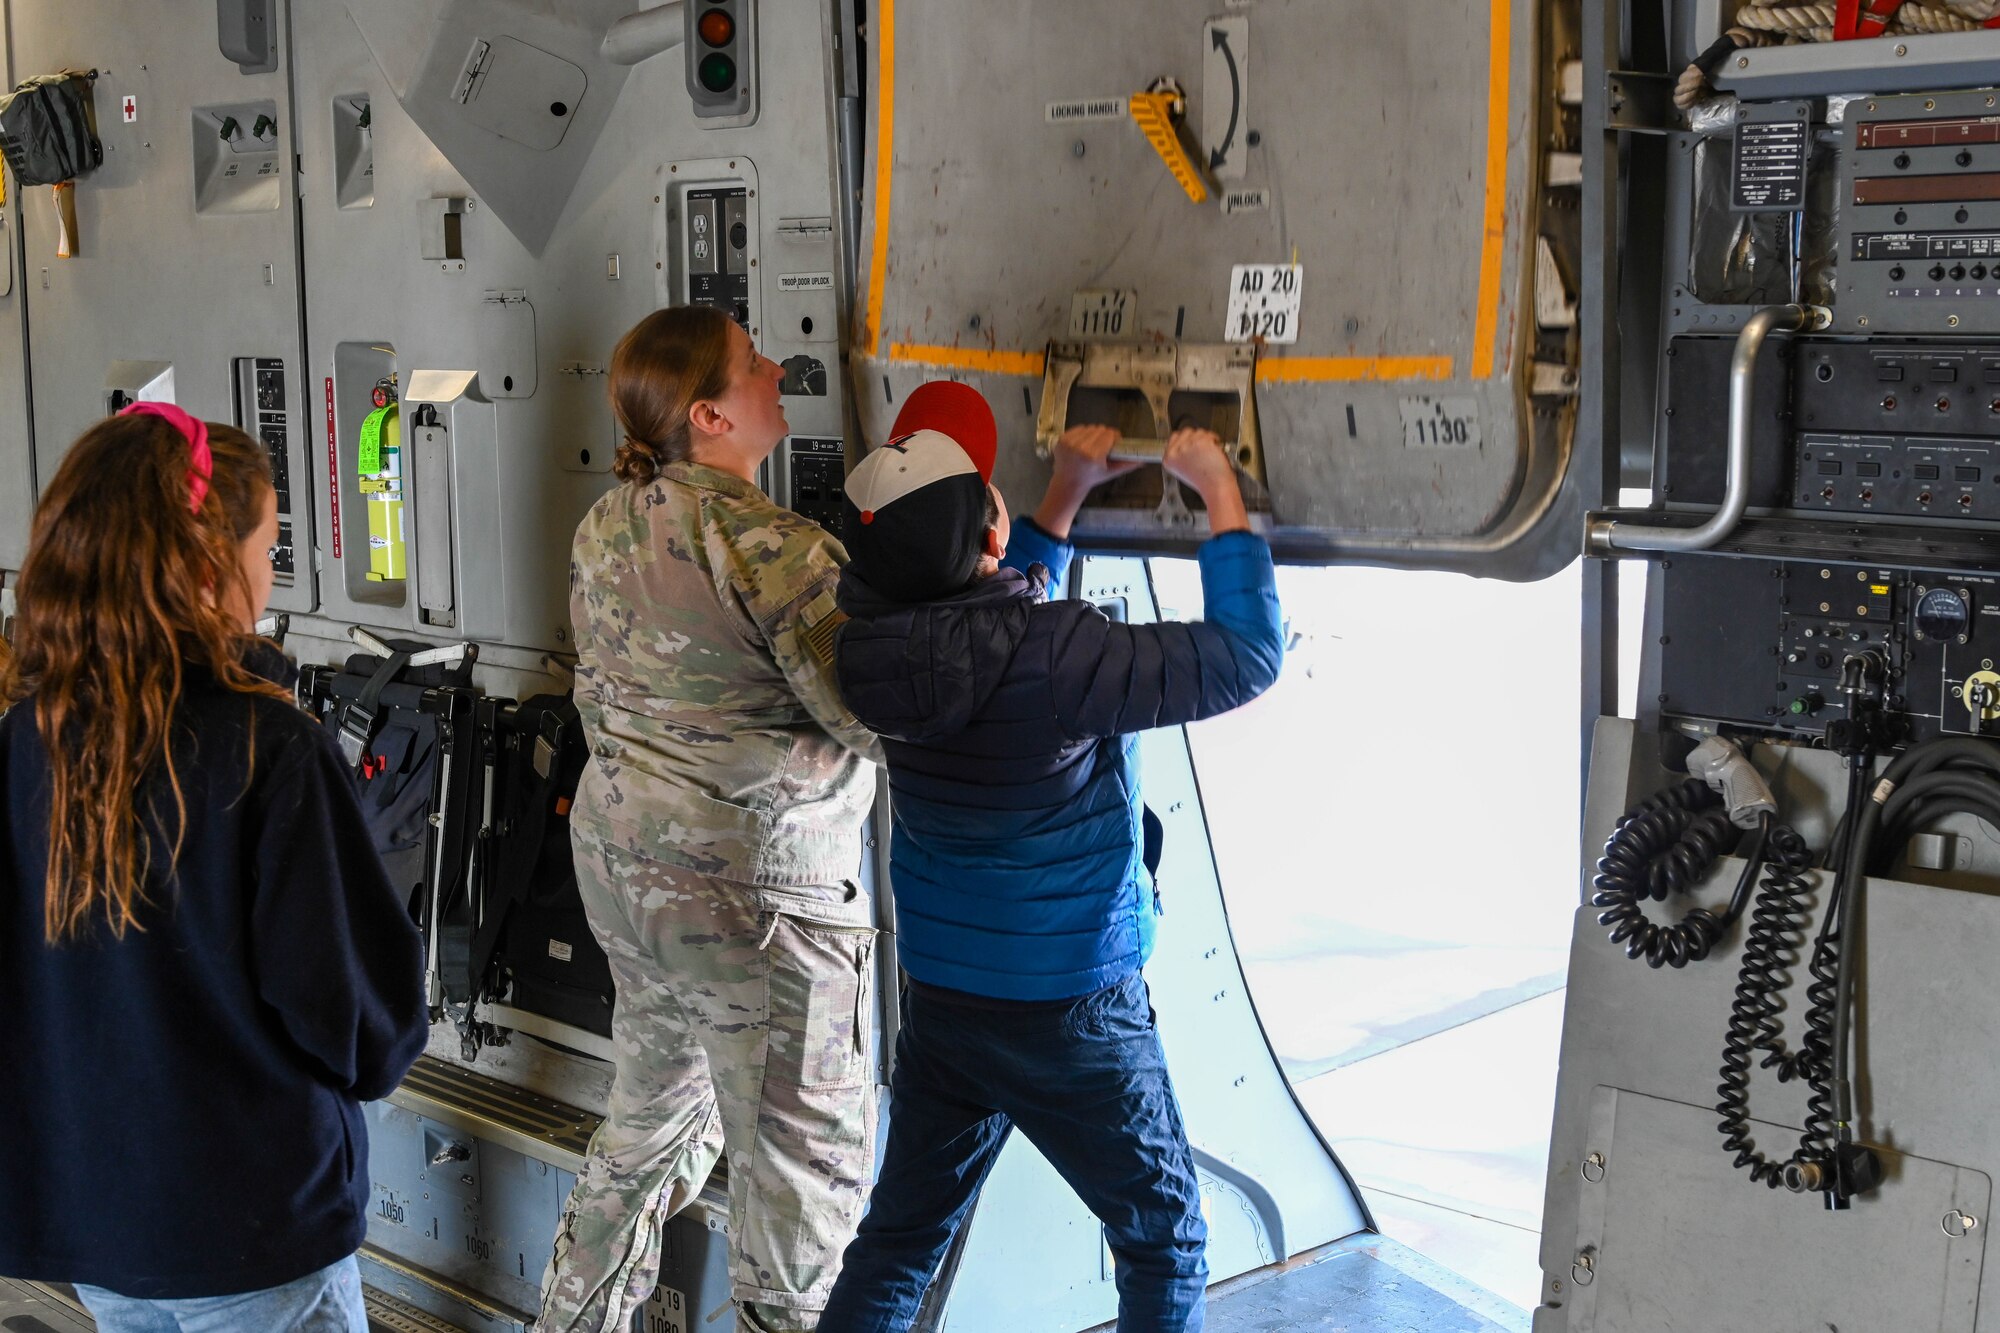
(1009, 725)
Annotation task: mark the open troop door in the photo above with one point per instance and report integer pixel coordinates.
(1343, 237)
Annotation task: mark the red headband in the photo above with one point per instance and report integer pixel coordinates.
(195, 431)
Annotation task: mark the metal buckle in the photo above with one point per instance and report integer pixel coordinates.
(547, 744)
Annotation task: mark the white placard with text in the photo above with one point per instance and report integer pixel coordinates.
(1264, 303)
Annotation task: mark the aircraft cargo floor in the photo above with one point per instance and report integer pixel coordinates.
(1365, 1284)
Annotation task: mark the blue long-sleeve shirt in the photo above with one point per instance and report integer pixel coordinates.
(1009, 724)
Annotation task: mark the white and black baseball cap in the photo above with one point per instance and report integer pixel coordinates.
(916, 507)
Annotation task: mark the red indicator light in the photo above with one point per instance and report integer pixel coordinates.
(716, 27)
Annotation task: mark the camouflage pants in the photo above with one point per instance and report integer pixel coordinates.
(744, 1023)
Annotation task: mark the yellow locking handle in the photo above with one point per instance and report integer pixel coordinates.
(1155, 115)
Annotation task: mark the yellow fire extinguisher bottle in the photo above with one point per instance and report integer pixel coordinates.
(381, 482)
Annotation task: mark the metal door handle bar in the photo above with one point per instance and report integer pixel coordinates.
(1607, 535)
(1153, 451)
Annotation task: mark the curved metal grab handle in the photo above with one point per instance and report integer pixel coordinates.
(1607, 536)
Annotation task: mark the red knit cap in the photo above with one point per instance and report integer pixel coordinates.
(953, 409)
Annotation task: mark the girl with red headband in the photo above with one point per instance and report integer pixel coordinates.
(203, 968)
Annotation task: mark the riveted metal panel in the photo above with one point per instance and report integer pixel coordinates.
(165, 271)
(1636, 1034)
(605, 264)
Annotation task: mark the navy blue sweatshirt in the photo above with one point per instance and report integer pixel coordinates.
(1010, 726)
(180, 1110)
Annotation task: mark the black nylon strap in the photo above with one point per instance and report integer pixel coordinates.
(522, 844)
(358, 719)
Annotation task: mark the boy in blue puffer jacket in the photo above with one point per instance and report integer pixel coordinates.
(1024, 908)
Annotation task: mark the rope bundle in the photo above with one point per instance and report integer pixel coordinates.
(1792, 22)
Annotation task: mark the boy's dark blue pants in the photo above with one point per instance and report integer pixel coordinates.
(1087, 1083)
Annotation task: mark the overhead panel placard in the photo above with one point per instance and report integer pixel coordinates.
(1770, 174)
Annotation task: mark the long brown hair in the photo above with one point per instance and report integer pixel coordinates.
(123, 585)
(671, 360)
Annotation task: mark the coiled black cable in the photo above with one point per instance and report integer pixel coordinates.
(1814, 1060)
(1924, 783)
(1663, 846)
(1777, 933)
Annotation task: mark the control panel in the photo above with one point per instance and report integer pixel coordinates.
(260, 412)
(1897, 429)
(818, 479)
(717, 246)
(1875, 490)
(1797, 627)
(1919, 214)
(1900, 475)
(1914, 430)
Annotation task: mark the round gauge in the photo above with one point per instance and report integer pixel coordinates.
(1943, 614)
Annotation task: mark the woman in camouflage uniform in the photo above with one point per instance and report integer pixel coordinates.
(717, 832)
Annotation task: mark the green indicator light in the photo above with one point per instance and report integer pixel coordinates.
(717, 72)
(1798, 706)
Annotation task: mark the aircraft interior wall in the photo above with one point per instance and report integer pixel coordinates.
(397, 243)
(1447, 279)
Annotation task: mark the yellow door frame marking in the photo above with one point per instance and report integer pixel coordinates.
(1270, 369)
(1499, 68)
(885, 159)
(968, 358)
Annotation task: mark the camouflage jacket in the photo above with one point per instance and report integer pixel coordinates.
(705, 618)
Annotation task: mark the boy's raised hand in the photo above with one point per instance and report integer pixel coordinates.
(1083, 453)
(1083, 461)
(1197, 458)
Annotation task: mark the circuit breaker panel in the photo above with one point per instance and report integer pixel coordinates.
(262, 410)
